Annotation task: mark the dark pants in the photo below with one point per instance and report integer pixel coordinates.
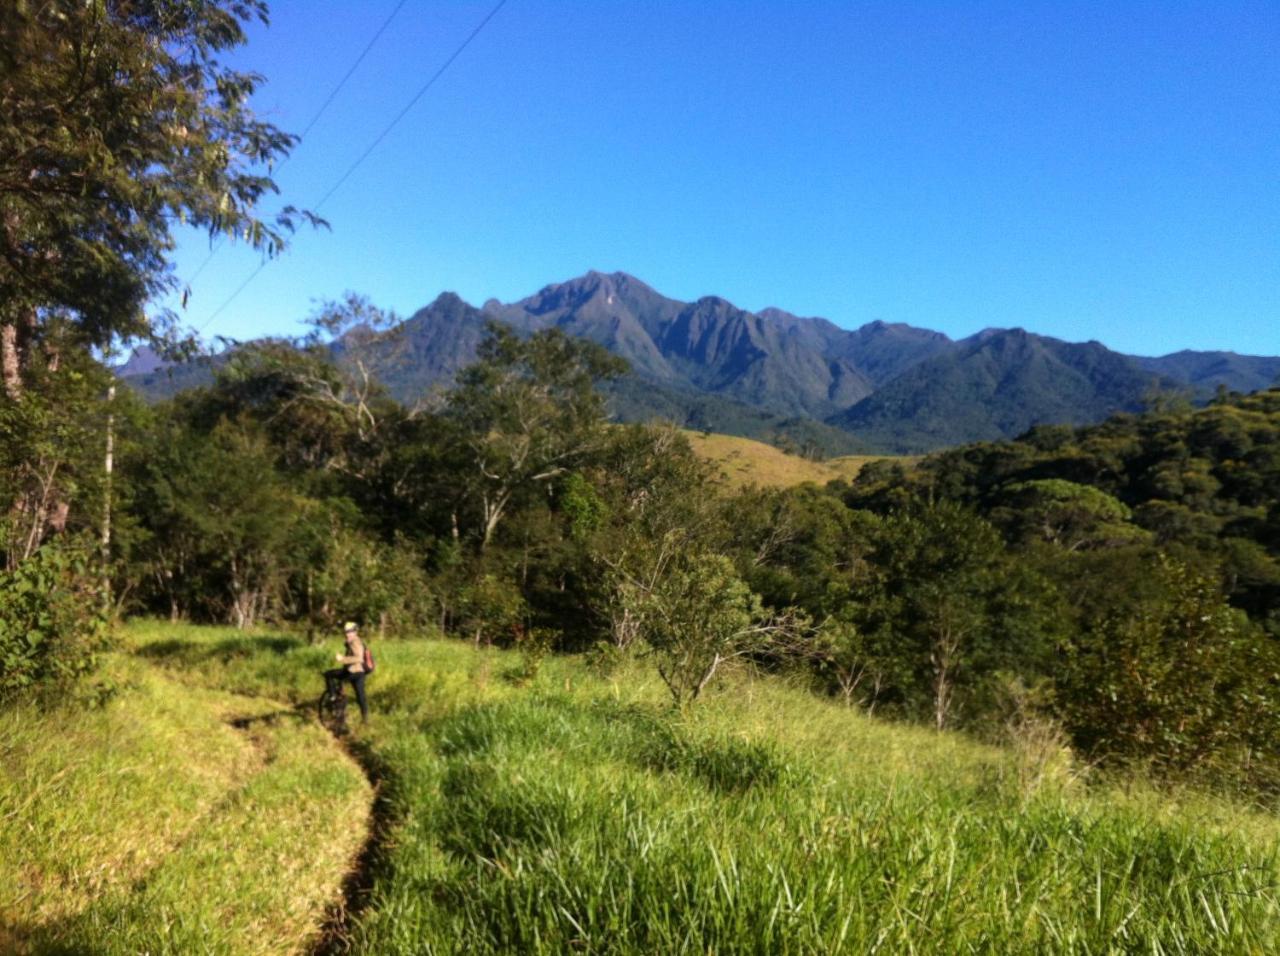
(333, 684)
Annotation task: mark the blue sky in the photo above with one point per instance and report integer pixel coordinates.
(1103, 171)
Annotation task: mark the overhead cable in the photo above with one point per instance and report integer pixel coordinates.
(369, 149)
(315, 118)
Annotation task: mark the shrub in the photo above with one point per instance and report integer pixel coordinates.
(490, 608)
(1180, 679)
(698, 616)
(51, 621)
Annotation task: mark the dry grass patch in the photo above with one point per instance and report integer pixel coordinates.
(743, 461)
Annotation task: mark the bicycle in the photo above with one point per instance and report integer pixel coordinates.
(332, 709)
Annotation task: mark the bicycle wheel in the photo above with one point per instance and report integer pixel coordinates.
(322, 708)
(340, 714)
(331, 709)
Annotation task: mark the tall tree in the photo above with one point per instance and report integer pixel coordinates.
(118, 120)
(955, 604)
(530, 413)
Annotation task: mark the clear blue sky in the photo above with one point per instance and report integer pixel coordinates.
(1103, 171)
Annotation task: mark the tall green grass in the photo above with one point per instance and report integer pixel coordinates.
(175, 819)
(578, 814)
(549, 825)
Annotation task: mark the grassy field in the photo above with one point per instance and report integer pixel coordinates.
(577, 813)
(744, 461)
(175, 819)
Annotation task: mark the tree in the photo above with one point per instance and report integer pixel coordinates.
(855, 661)
(342, 572)
(223, 521)
(647, 518)
(51, 446)
(528, 412)
(118, 120)
(954, 604)
(699, 615)
(1065, 514)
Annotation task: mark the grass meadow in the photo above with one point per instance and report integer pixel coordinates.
(743, 461)
(576, 812)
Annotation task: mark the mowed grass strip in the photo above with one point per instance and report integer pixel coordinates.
(157, 825)
(577, 813)
(258, 875)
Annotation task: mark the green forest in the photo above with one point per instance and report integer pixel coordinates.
(1120, 579)
(1107, 596)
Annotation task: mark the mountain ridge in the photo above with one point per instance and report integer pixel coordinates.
(710, 364)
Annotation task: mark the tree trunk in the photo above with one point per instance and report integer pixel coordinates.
(237, 596)
(15, 339)
(941, 699)
(10, 362)
(492, 515)
(943, 657)
(706, 677)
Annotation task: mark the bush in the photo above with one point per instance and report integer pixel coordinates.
(1179, 679)
(491, 608)
(697, 617)
(51, 620)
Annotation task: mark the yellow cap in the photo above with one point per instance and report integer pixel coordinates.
(349, 626)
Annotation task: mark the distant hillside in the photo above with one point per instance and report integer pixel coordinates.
(440, 340)
(1205, 371)
(995, 385)
(142, 361)
(772, 360)
(635, 399)
(745, 462)
(893, 387)
(706, 364)
(166, 381)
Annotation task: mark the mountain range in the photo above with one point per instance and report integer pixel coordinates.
(890, 387)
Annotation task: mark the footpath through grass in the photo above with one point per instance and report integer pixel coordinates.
(578, 814)
(176, 819)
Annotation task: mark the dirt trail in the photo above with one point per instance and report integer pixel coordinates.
(335, 934)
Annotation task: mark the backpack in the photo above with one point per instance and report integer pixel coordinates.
(368, 660)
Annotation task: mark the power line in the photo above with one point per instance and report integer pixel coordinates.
(408, 106)
(343, 82)
(315, 118)
(232, 297)
(368, 150)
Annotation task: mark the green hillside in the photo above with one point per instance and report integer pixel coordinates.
(997, 385)
(574, 810)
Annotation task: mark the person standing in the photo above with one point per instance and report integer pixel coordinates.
(352, 669)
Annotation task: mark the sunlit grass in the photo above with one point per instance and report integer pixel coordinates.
(578, 812)
(548, 824)
(745, 461)
(155, 824)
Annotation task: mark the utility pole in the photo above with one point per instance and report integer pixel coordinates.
(108, 468)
